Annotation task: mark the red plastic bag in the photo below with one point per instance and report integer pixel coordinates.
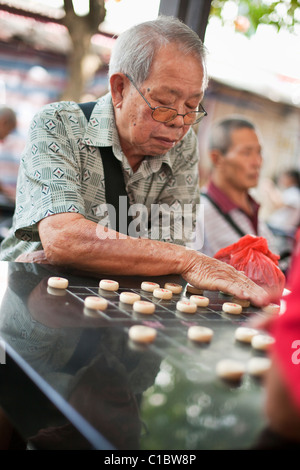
(252, 256)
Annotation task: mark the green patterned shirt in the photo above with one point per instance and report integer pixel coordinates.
(61, 171)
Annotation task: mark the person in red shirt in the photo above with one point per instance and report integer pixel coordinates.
(282, 405)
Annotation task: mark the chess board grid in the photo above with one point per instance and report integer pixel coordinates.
(172, 326)
(165, 310)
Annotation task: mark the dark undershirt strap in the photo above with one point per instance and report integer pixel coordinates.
(114, 179)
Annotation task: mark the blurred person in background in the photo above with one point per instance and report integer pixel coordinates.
(8, 123)
(230, 212)
(284, 220)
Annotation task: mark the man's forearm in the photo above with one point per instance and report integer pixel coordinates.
(71, 240)
(88, 246)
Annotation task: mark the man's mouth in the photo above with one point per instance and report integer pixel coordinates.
(166, 142)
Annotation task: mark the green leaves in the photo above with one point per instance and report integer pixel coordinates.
(249, 14)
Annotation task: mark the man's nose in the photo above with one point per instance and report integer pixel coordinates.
(257, 159)
(177, 122)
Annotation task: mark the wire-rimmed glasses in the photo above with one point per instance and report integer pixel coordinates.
(166, 114)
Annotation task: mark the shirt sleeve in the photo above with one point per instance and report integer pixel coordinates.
(49, 177)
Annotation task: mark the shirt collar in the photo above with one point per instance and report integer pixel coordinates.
(223, 201)
(101, 130)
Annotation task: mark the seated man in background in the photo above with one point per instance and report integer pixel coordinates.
(229, 210)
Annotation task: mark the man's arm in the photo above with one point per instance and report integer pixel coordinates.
(71, 240)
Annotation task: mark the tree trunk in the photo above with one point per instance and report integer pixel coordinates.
(82, 64)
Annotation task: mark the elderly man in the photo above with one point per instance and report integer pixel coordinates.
(157, 81)
(229, 210)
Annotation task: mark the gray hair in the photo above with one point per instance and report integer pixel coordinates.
(220, 137)
(134, 50)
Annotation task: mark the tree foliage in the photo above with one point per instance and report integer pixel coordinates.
(284, 14)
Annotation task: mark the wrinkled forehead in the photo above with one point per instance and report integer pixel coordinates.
(244, 136)
(172, 58)
(177, 73)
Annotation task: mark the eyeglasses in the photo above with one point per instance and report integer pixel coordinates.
(166, 114)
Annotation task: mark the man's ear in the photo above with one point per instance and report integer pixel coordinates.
(216, 157)
(117, 85)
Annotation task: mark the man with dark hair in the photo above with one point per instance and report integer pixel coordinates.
(230, 212)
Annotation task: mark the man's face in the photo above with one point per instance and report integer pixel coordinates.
(241, 165)
(176, 81)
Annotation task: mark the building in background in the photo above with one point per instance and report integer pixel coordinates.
(34, 46)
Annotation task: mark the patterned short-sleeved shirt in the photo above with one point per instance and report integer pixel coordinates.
(61, 172)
